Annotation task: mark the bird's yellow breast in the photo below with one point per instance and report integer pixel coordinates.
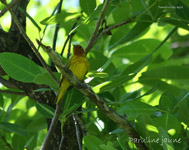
(79, 66)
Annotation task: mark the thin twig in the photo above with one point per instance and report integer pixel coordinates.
(56, 32)
(69, 45)
(69, 48)
(12, 4)
(61, 142)
(13, 92)
(77, 131)
(30, 43)
(83, 128)
(69, 35)
(112, 27)
(93, 36)
(52, 127)
(57, 27)
(44, 30)
(7, 144)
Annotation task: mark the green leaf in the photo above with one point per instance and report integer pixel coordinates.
(88, 6)
(73, 96)
(19, 67)
(45, 78)
(72, 101)
(121, 12)
(45, 110)
(135, 108)
(169, 72)
(97, 74)
(176, 22)
(138, 66)
(99, 61)
(118, 81)
(37, 124)
(157, 8)
(32, 140)
(162, 86)
(83, 31)
(30, 18)
(108, 146)
(183, 11)
(43, 89)
(165, 140)
(170, 124)
(167, 102)
(1, 101)
(18, 142)
(92, 142)
(148, 131)
(139, 28)
(183, 106)
(63, 18)
(70, 110)
(141, 48)
(9, 127)
(136, 6)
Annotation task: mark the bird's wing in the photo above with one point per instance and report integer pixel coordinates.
(67, 65)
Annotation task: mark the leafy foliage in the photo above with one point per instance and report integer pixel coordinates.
(148, 85)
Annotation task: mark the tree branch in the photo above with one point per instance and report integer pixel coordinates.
(7, 144)
(113, 27)
(57, 27)
(13, 92)
(61, 142)
(7, 83)
(88, 92)
(93, 36)
(69, 45)
(77, 131)
(70, 34)
(12, 4)
(30, 43)
(52, 126)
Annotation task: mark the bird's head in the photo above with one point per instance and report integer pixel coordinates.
(78, 50)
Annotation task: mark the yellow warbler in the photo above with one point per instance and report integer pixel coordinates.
(79, 65)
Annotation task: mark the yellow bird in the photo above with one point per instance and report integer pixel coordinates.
(79, 65)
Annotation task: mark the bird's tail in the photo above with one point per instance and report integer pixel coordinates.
(63, 88)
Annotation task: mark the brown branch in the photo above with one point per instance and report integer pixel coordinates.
(13, 92)
(7, 83)
(30, 43)
(93, 36)
(88, 92)
(113, 27)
